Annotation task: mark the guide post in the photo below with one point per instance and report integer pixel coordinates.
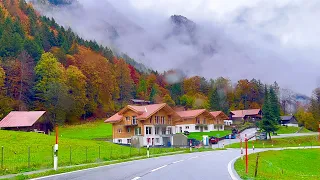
(55, 151)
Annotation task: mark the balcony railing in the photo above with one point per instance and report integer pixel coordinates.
(131, 123)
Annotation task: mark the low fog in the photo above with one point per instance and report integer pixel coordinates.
(267, 40)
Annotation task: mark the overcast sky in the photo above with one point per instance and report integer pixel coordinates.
(271, 40)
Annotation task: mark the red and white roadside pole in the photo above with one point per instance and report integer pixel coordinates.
(241, 148)
(246, 140)
(55, 151)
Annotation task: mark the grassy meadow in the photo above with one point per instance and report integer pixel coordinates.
(89, 131)
(290, 130)
(16, 147)
(281, 142)
(284, 165)
(198, 135)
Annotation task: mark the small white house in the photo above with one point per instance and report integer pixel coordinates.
(289, 121)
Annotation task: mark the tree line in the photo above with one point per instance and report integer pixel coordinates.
(47, 67)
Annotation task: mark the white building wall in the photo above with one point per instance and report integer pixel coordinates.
(157, 138)
(293, 125)
(122, 140)
(192, 128)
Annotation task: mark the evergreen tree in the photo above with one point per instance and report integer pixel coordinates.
(214, 102)
(153, 93)
(274, 104)
(268, 123)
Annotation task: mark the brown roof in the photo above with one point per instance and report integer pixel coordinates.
(21, 118)
(190, 113)
(143, 111)
(217, 113)
(242, 113)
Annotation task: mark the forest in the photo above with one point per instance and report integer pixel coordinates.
(44, 66)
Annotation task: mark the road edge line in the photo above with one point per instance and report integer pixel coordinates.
(232, 172)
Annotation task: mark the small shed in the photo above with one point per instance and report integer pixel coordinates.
(23, 121)
(289, 121)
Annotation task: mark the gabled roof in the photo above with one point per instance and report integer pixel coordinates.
(21, 119)
(143, 112)
(248, 112)
(286, 118)
(217, 113)
(193, 113)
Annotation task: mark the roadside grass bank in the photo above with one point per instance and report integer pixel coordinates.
(29, 151)
(291, 130)
(95, 130)
(284, 164)
(30, 175)
(199, 135)
(280, 142)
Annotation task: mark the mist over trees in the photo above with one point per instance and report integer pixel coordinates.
(47, 67)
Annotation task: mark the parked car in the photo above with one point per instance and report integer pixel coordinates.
(213, 140)
(233, 136)
(186, 133)
(194, 142)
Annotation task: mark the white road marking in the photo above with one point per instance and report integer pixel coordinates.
(193, 157)
(136, 178)
(177, 161)
(153, 170)
(232, 174)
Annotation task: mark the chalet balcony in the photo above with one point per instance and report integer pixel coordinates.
(162, 125)
(201, 124)
(131, 123)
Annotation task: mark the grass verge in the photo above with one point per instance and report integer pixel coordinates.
(284, 164)
(86, 166)
(29, 151)
(198, 135)
(281, 142)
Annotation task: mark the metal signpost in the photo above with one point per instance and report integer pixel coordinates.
(190, 146)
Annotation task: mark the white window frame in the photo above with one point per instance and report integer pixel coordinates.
(169, 130)
(187, 127)
(134, 120)
(128, 129)
(204, 121)
(148, 130)
(120, 141)
(156, 130)
(128, 118)
(128, 141)
(163, 130)
(180, 128)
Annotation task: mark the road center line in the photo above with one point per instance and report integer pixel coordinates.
(193, 157)
(136, 178)
(177, 161)
(158, 168)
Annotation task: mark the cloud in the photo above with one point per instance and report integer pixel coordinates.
(262, 39)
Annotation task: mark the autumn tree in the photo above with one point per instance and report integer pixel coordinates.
(167, 99)
(124, 81)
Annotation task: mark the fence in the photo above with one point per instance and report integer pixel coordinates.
(23, 159)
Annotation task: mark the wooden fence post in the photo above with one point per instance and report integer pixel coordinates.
(257, 163)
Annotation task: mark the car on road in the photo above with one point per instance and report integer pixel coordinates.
(194, 142)
(213, 140)
(230, 136)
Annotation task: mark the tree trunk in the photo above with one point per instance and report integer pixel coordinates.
(270, 135)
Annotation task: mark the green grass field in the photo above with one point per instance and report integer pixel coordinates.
(282, 142)
(89, 131)
(290, 130)
(285, 165)
(198, 135)
(16, 146)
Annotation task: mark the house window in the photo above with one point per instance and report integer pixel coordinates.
(128, 118)
(180, 129)
(169, 120)
(120, 141)
(163, 131)
(198, 120)
(149, 130)
(157, 140)
(156, 119)
(134, 119)
(128, 141)
(128, 130)
(187, 127)
(137, 131)
(151, 120)
(156, 130)
(204, 121)
(162, 120)
(169, 130)
(119, 130)
(197, 127)
(206, 128)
